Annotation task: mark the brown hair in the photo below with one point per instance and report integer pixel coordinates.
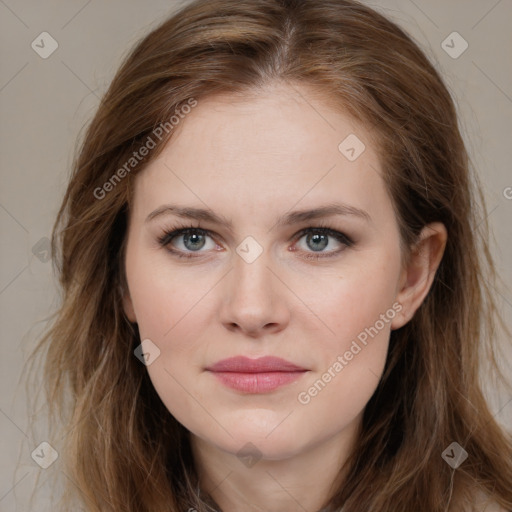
(124, 451)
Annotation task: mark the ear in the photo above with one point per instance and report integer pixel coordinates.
(417, 276)
(128, 306)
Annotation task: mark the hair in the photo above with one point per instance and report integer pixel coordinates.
(124, 451)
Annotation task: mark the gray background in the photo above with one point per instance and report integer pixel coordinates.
(45, 102)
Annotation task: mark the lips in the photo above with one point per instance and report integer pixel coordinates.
(260, 375)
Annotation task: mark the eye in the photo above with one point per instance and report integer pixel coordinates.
(192, 240)
(318, 238)
(184, 242)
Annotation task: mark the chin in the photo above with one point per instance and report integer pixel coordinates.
(258, 443)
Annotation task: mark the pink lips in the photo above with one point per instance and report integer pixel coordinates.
(256, 375)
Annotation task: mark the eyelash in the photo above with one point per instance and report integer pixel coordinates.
(174, 231)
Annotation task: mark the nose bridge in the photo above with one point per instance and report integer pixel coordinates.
(251, 280)
(252, 299)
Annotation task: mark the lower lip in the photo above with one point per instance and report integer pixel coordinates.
(257, 382)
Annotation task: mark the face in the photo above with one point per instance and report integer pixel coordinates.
(270, 326)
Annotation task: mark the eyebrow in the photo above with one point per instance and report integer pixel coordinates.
(287, 219)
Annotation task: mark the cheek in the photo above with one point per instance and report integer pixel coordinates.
(332, 399)
(353, 352)
(351, 360)
(354, 300)
(171, 310)
(171, 313)
(164, 297)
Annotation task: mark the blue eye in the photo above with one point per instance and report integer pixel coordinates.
(193, 239)
(317, 239)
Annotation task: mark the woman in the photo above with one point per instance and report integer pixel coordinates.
(275, 285)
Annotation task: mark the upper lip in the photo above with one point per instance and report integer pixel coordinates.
(242, 364)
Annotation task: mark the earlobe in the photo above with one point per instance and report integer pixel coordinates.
(418, 276)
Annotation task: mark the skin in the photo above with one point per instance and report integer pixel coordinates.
(252, 160)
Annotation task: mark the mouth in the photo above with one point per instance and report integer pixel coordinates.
(260, 375)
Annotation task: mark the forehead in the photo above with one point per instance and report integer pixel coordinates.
(276, 147)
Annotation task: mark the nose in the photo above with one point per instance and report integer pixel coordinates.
(254, 299)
